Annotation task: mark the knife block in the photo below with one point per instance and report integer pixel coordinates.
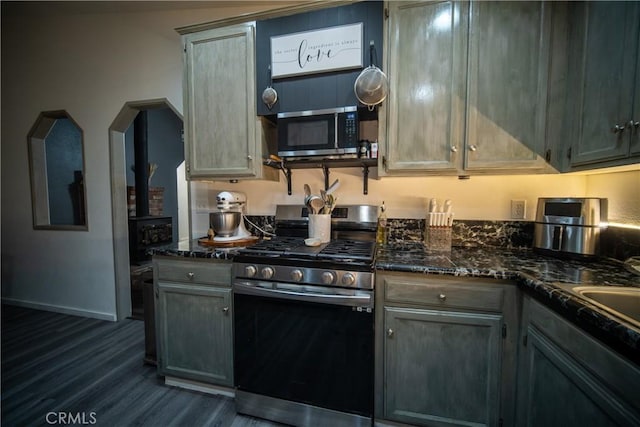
(437, 239)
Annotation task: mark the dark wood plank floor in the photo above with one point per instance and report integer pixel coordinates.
(55, 363)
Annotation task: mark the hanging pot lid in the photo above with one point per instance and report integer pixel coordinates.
(371, 86)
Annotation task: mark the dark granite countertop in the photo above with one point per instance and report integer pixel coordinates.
(193, 249)
(535, 274)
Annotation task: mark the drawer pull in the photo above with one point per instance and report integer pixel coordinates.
(390, 333)
(442, 297)
(190, 275)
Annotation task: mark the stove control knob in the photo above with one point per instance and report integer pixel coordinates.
(267, 272)
(296, 275)
(348, 279)
(328, 277)
(250, 270)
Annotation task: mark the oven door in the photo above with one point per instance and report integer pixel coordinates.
(304, 346)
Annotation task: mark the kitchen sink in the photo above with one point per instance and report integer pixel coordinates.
(623, 302)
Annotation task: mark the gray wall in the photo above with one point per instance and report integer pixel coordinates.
(49, 62)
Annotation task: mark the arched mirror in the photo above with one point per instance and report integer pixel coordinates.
(56, 161)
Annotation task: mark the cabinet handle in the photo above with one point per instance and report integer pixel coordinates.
(454, 149)
(442, 297)
(473, 148)
(249, 158)
(190, 275)
(390, 333)
(633, 124)
(225, 310)
(618, 129)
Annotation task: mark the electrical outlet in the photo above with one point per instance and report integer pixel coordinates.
(518, 209)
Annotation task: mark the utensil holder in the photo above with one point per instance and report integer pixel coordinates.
(320, 227)
(438, 239)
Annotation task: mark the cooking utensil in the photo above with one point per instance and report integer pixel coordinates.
(371, 86)
(307, 195)
(316, 204)
(269, 95)
(333, 187)
(330, 203)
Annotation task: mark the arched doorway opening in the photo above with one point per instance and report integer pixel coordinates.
(121, 211)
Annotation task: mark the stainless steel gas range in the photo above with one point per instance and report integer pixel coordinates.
(303, 319)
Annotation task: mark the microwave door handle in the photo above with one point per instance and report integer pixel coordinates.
(348, 300)
(336, 117)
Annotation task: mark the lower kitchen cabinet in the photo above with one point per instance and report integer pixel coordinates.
(566, 378)
(193, 319)
(445, 350)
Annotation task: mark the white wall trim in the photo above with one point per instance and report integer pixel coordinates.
(60, 309)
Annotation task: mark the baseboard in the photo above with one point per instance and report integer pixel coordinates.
(198, 386)
(60, 309)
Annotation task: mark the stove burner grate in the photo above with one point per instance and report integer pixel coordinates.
(336, 250)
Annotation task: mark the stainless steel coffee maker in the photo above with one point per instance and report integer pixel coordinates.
(569, 227)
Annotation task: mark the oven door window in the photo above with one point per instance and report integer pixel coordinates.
(313, 353)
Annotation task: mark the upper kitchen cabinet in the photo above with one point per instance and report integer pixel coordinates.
(468, 87)
(224, 139)
(426, 65)
(507, 85)
(603, 104)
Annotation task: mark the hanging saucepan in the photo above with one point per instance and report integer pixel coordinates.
(269, 95)
(371, 86)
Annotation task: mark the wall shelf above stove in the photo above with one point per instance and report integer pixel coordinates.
(325, 164)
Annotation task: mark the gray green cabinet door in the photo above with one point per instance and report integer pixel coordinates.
(605, 77)
(442, 368)
(220, 104)
(568, 379)
(426, 57)
(507, 84)
(195, 332)
(634, 150)
(468, 87)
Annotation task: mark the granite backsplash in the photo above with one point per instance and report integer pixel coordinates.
(616, 242)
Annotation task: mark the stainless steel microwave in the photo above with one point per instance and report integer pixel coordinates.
(329, 132)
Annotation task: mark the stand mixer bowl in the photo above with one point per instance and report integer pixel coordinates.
(225, 223)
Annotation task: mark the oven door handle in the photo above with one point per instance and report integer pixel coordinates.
(364, 300)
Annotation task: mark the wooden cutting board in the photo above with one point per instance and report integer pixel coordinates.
(205, 241)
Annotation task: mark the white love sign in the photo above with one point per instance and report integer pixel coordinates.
(318, 51)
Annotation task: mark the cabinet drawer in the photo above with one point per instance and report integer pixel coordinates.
(443, 293)
(193, 271)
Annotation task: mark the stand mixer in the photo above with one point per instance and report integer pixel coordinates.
(227, 225)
